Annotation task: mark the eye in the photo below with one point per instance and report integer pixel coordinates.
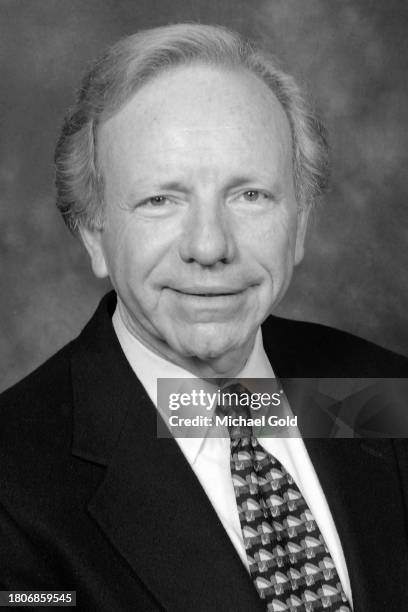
(158, 200)
(251, 195)
(255, 195)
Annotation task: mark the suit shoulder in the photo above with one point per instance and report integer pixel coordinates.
(338, 352)
(36, 411)
(36, 429)
(44, 380)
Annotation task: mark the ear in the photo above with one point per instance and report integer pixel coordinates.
(302, 220)
(92, 239)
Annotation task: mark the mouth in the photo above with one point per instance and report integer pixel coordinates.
(209, 292)
(209, 304)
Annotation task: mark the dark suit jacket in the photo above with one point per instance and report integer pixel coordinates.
(92, 501)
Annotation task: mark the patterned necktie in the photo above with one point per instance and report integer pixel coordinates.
(289, 562)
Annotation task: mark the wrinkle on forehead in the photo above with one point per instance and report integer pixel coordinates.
(160, 97)
(211, 112)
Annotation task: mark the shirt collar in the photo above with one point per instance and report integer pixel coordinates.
(148, 367)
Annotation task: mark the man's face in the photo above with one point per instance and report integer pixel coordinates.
(202, 227)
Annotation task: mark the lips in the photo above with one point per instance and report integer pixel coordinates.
(209, 291)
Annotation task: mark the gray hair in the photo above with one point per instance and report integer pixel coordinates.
(126, 66)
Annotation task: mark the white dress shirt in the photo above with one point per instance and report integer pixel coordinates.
(209, 457)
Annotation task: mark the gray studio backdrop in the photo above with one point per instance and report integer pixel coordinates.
(353, 56)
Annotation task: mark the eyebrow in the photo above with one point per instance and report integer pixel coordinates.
(172, 186)
(237, 181)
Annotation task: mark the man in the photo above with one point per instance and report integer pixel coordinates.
(188, 166)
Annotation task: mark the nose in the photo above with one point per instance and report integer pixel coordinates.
(207, 237)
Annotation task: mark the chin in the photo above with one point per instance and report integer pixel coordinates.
(209, 342)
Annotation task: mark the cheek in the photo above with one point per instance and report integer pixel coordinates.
(125, 253)
(273, 246)
(136, 251)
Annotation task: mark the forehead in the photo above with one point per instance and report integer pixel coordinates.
(197, 114)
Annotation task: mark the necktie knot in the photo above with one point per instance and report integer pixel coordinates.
(236, 406)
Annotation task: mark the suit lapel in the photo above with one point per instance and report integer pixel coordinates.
(154, 511)
(361, 485)
(360, 479)
(150, 504)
